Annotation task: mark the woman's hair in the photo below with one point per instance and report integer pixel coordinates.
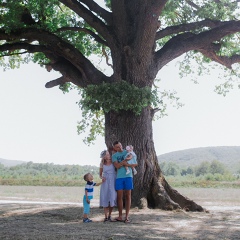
(102, 155)
(103, 161)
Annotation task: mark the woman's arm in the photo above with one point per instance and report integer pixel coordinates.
(100, 172)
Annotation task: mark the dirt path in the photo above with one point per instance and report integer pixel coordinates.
(46, 221)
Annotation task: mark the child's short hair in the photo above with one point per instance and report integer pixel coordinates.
(85, 176)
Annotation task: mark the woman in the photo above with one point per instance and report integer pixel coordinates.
(108, 194)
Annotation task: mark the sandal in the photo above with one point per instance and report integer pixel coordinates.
(127, 220)
(118, 220)
(105, 219)
(111, 220)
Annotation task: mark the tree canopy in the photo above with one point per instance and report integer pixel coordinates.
(61, 35)
(137, 38)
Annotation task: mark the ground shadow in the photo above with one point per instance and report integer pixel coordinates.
(52, 222)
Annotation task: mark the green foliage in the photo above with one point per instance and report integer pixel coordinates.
(195, 64)
(69, 25)
(219, 177)
(49, 15)
(207, 181)
(227, 156)
(202, 169)
(188, 171)
(206, 174)
(66, 87)
(99, 99)
(94, 121)
(170, 169)
(117, 96)
(213, 168)
(46, 174)
(217, 168)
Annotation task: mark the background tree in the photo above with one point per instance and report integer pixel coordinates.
(137, 38)
(202, 168)
(170, 169)
(217, 167)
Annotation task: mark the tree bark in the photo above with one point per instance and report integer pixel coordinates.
(151, 190)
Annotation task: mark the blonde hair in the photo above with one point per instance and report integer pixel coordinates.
(103, 160)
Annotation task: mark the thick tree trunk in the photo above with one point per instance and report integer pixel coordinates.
(150, 187)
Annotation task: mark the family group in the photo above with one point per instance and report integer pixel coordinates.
(116, 171)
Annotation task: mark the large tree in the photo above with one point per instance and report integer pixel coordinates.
(137, 38)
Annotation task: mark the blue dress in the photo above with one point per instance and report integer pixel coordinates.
(108, 194)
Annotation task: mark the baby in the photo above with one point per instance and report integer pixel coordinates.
(132, 161)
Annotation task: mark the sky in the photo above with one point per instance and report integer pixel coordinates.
(40, 125)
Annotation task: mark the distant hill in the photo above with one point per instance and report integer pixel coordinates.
(10, 163)
(229, 156)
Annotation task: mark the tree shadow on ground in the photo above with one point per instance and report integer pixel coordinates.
(63, 222)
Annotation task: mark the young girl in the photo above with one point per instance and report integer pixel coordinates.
(108, 194)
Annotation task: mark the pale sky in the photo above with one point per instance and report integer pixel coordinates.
(39, 124)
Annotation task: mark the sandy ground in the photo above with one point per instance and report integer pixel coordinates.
(64, 221)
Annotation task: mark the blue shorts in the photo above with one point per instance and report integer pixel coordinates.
(124, 183)
(86, 206)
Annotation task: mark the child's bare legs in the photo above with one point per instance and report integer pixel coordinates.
(127, 170)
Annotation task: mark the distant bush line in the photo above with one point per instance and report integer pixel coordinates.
(206, 174)
(46, 174)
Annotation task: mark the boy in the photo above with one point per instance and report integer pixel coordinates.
(89, 187)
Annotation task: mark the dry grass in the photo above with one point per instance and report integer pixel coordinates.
(22, 221)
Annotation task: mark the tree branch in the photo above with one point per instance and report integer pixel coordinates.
(98, 10)
(192, 4)
(78, 29)
(187, 27)
(56, 82)
(89, 17)
(223, 60)
(71, 61)
(106, 56)
(202, 42)
(22, 45)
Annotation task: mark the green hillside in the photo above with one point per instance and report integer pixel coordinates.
(229, 156)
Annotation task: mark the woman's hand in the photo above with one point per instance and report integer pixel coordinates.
(103, 179)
